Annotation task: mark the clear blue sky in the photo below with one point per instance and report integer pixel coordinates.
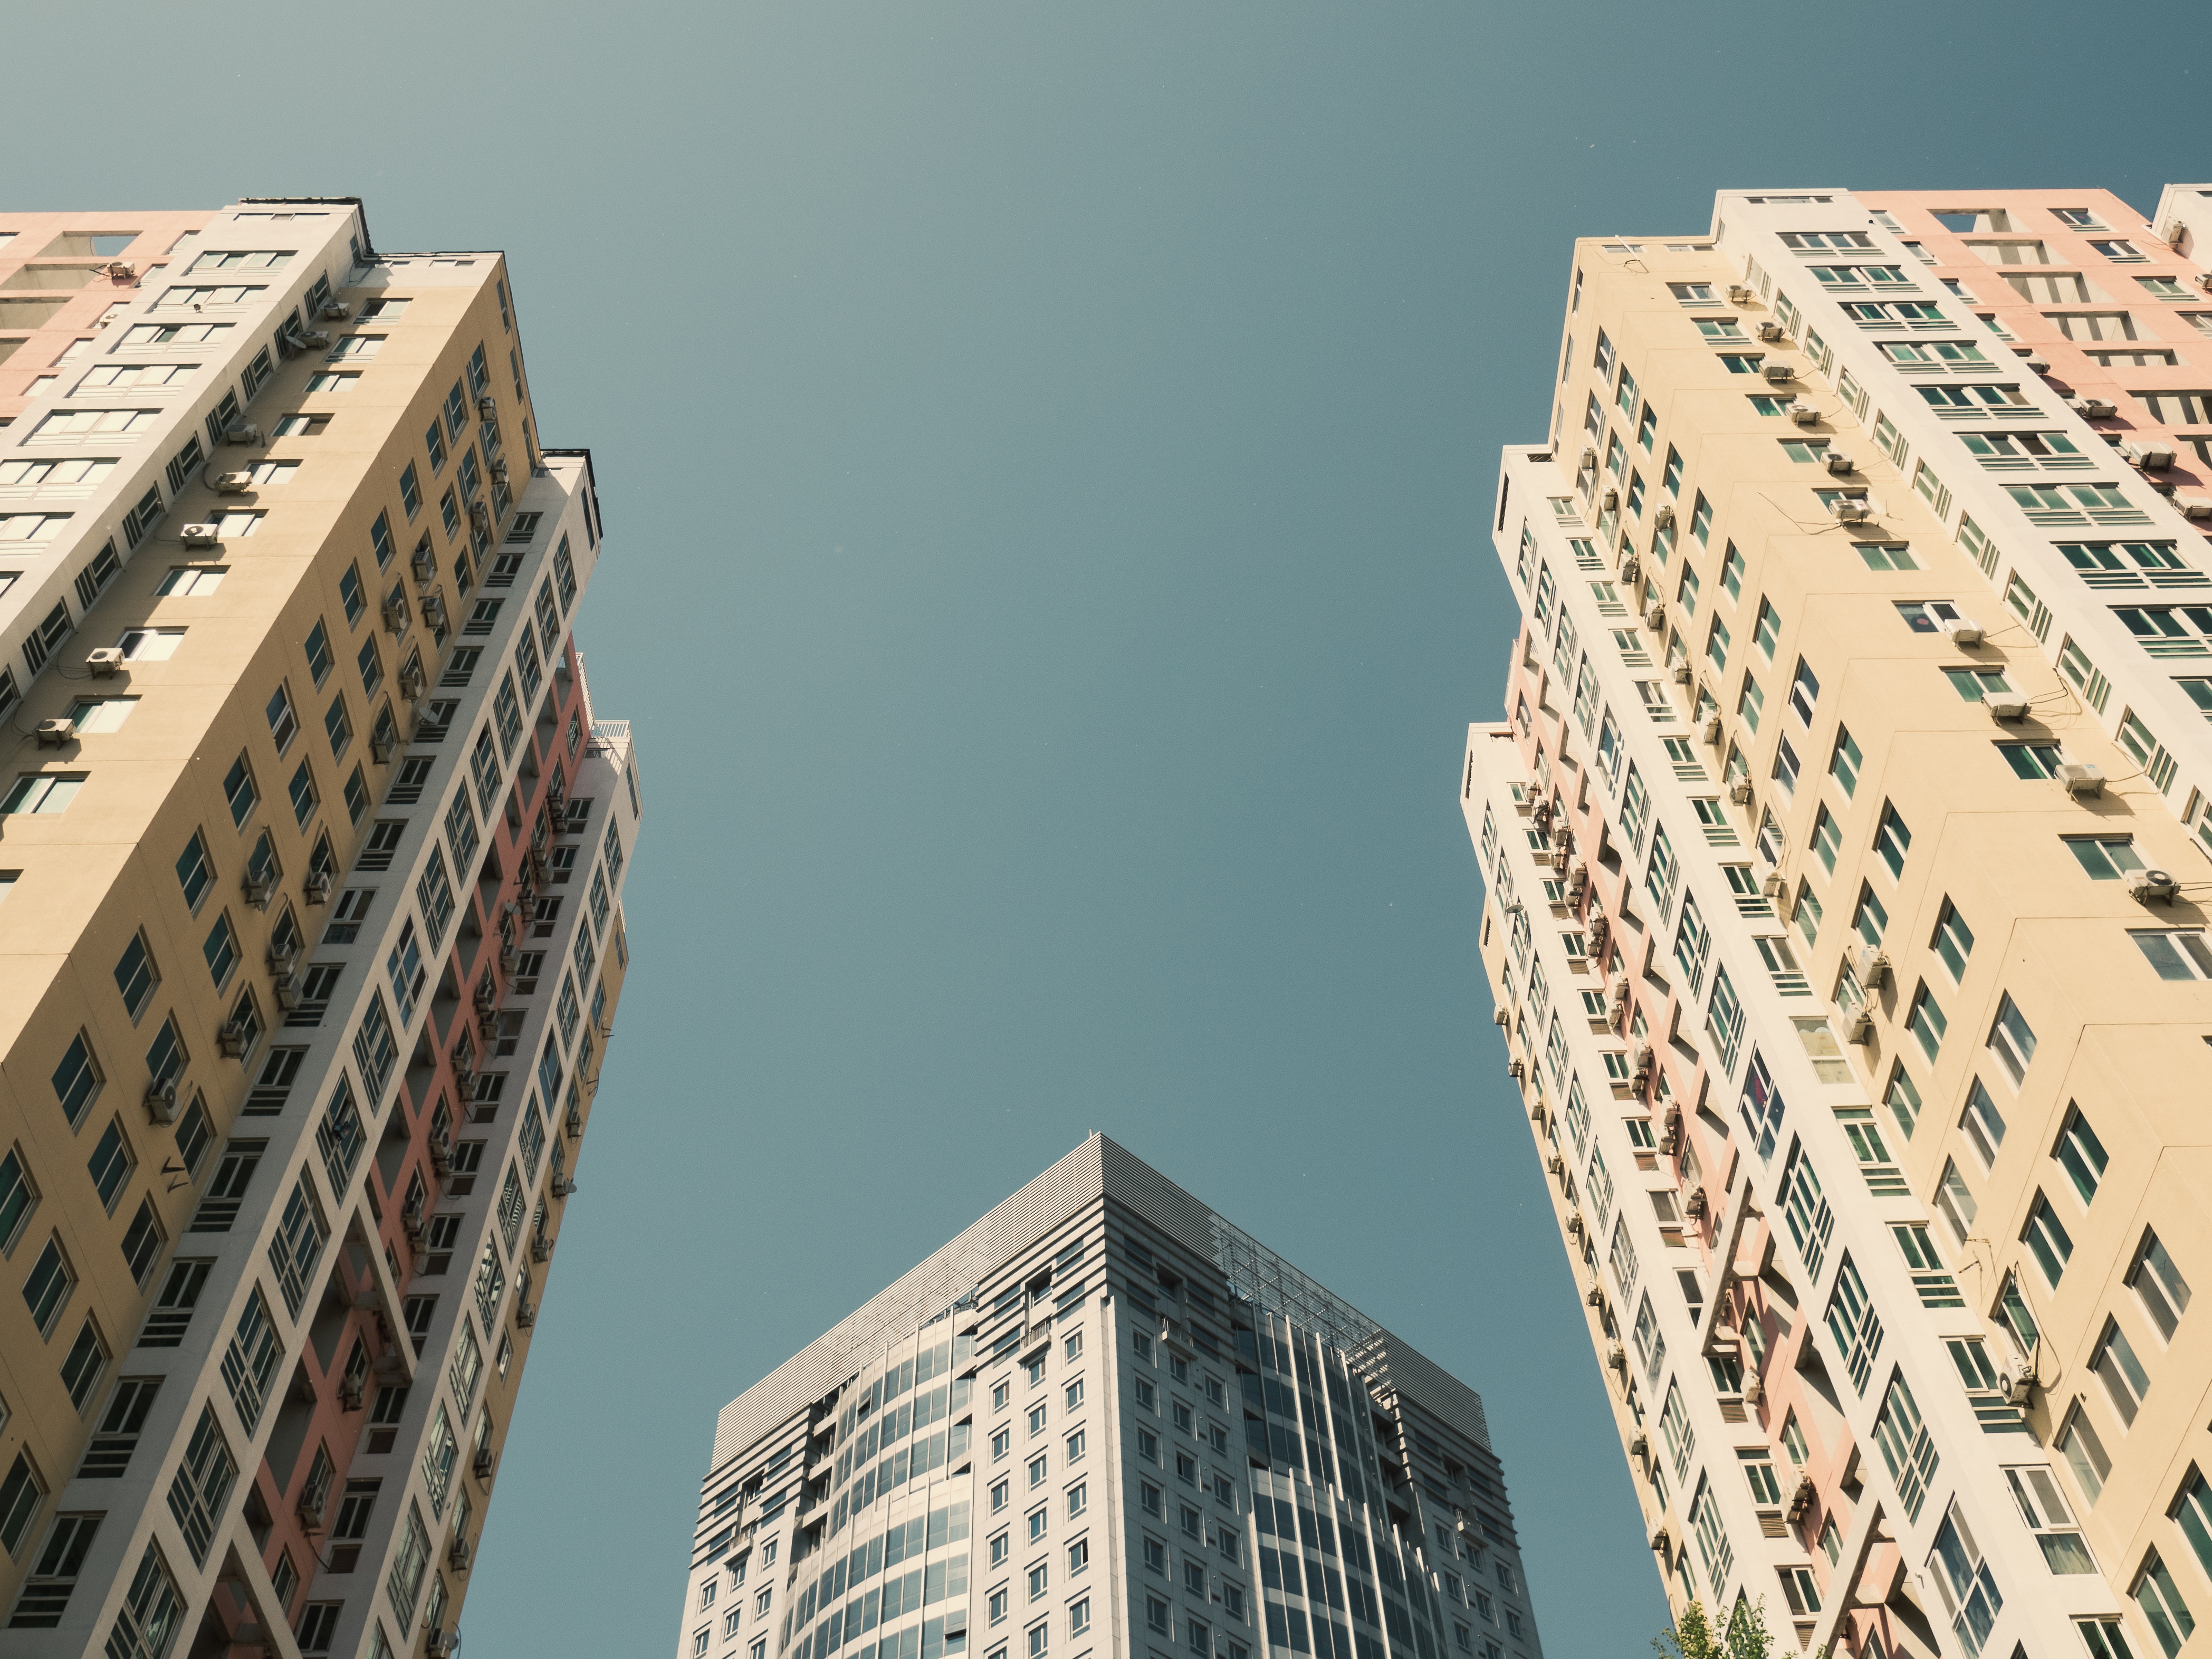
(1046, 452)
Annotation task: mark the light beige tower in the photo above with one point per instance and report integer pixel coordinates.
(1846, 854)
(312, 859)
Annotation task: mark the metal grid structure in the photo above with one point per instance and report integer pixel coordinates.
(1258, 1275)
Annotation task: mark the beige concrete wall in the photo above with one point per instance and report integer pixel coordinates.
(2124, 1047)
(87, 879)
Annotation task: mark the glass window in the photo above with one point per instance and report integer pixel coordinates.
(2047, 1240)
(2103, 858)
(2157, 1283)
(2011, 1040)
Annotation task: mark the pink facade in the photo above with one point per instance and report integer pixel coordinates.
(55, 287)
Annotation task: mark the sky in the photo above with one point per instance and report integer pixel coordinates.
(1046, 454)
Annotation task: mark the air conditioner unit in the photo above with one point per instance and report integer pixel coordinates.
(310, 1515)
(52, 734)
(1577, 875)
(526, 1315)
(1556, 1164)
(103, 662)
(2093, 409)
(1643, 1057)
(1681, 673)
(1774, 885)
(317, 888)
(458, 1555)
(2174, 233)
(488, 407)
(1777, 374)
(331, 311)
(483, 1463)
(1663, 515)
(1610, 500)
(2204, 280)
(487, 1004)
(541, 1248)
(1850, 509)
(480, 516)
(317, 337)
(440, 1643)
(410, 681)
(395, 616)
(425, 563)
(1712, 728)
(2152, 886)
(1654, 616)
(563, 1187)
(2038, 364)
(1771, 330)
(1594, 1297)
(1840, 463)
(1615, 1355)
(1740, 792)
(412, 1223)
(2151, 457)
(509, 958)
(2016, 1387)
(1516, 1070)
(1632, 568)
(441, 1156)
(242, 432)
(379, 749)
(1751, 1388)
(349, 1395)
(232, 483)
(1801, 1495)
(2195, 507)
(2008, 707)
(288, 991)
(1860, 1027)
(1588, 461)
(256, 889)
(161, 1101)
(1697, 1207)
(1802, 412)
(1870, 967)
(2081, 778)
(499, 471)
(434, 609)
(1738, 295)
(1600, 933)
(208, 535)
(1964, 631)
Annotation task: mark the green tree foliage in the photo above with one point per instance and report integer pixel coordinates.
(1745, 1636)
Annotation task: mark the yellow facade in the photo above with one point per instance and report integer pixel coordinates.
(1747, 1086)
(344, 659)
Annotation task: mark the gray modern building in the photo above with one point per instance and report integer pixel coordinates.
(1104, 1420)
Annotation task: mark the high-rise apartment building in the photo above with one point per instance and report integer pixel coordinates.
(1104, 1420)
(311, 873)
(1846, 854)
